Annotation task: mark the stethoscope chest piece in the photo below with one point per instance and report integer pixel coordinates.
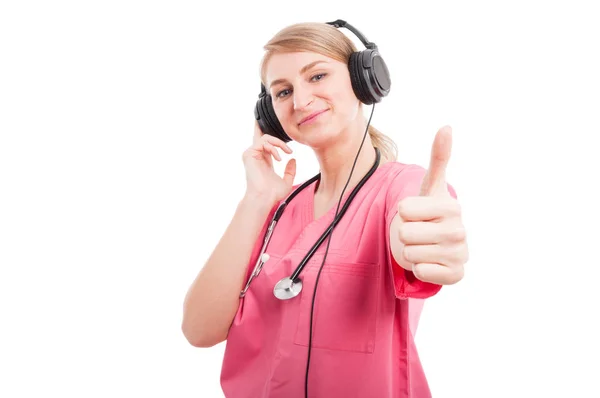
(291, 286)
(286, 289)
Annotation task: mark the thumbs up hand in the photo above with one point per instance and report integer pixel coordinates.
(430, 226)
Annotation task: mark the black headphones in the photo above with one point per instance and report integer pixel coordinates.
(368, 73)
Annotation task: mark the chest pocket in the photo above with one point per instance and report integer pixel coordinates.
(346, 306)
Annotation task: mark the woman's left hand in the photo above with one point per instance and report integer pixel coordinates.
(431, 226)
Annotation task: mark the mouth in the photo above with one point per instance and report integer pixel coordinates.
(312, 117)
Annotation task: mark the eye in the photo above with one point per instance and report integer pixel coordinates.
(318, 77)
(282, 93)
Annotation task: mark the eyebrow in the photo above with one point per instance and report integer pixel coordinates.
(303, 70)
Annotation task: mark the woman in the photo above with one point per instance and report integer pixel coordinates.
(341, 325)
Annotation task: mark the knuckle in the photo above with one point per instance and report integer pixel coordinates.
(267, 147)
(403, 208)
(458, 234)
(458, 274)
(420, 273)
(465, 253)
(456, 254)
(403, 233)
(269, 138)
(407, 254)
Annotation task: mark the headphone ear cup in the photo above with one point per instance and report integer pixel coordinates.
(278, 130)
(260, 118)
(267, 119)
(370, 76)
(356, 78)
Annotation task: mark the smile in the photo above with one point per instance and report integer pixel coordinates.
(311, 118)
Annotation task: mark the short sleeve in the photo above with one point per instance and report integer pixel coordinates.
(407, 182)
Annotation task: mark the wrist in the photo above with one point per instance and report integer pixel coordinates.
(258, 201)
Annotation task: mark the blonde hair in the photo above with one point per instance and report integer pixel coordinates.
(329, 41)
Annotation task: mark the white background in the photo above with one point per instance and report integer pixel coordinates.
(122, 127)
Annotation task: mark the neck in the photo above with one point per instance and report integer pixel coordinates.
(336, 162)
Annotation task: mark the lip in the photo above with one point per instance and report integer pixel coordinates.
(311, 117)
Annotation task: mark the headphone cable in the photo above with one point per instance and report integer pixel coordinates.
(312, 307)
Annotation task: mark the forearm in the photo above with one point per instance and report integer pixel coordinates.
(213, 298)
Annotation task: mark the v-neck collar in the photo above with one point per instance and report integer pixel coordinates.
(309, 213)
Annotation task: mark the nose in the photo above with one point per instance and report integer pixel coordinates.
(302, 97)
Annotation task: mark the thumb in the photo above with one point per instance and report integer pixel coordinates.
(290, 172)
(434, 182)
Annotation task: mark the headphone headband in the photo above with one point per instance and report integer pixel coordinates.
(340, 23)
(368, 74)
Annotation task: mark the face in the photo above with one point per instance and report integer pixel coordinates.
(312, 96)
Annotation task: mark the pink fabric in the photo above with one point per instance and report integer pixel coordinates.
(366, 312)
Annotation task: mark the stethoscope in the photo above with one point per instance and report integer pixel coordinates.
(290, 287)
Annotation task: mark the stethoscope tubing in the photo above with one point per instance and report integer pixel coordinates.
(263, 257)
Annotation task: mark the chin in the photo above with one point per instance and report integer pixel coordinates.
(317, 136)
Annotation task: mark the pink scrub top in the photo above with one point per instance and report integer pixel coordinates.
(366, 309)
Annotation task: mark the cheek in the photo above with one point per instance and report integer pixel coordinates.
(282, 110)
(344, 100)
(347, 107)
(285, 114)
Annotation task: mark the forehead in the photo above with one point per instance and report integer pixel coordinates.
(288, 65)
